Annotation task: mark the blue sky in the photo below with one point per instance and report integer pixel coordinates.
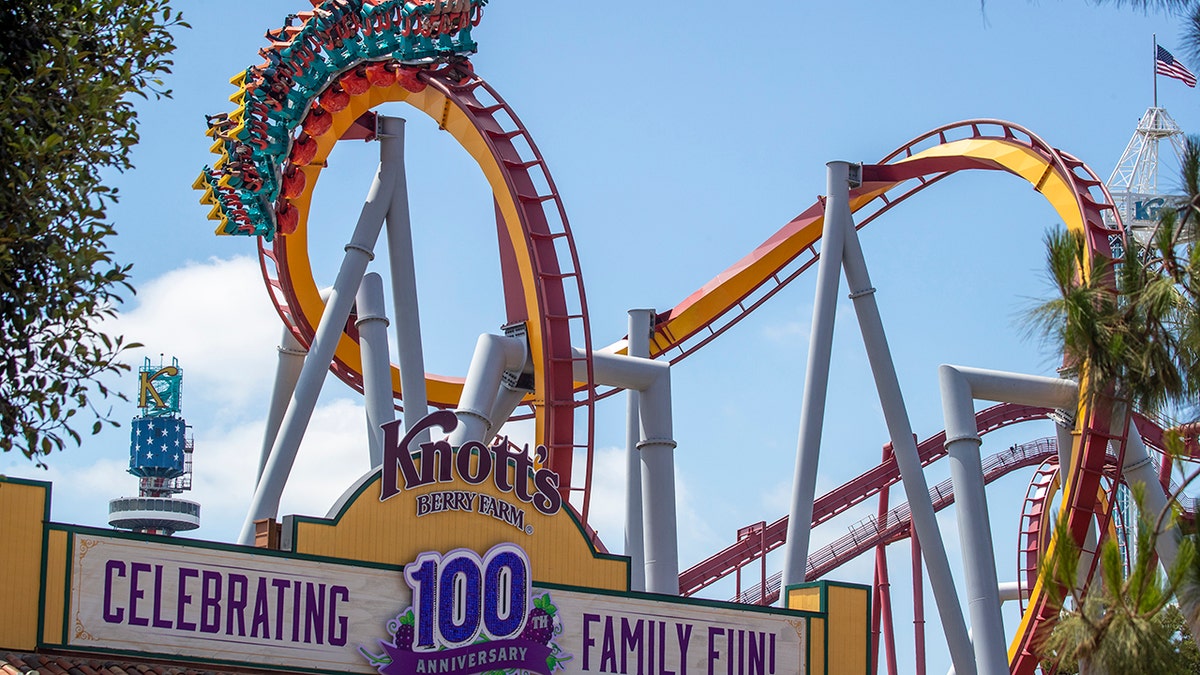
(680, 136)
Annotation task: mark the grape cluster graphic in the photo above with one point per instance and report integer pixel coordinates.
(541, 626)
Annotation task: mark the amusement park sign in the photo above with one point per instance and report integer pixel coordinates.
(458, 612)
(510, 469)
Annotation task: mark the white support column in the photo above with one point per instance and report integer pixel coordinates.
(635, 545)
(908, 458)
(359, 252)
(659, 519)
(1138, 468)
(515, 384)
(494, 354)
(1011, 590)
(960, 387)
(816, 378)
(507, 400)
(410, 354)
(287, 372)
(376, 367)
(657, 448)
(1065, 440)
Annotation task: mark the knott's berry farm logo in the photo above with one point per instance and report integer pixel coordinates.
(472, 615)
(474, 463)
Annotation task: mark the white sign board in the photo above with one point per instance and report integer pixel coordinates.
(227, 605)
(471, 613)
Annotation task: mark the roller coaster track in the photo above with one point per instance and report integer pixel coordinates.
(1075, 192)
(870, 532)
(867, 485)
(838, 500)
(543, 285)
(1034, 517)
(542, 279)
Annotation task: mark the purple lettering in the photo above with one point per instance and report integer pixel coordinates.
(588, 640)
(462, 462)
(520, 457)
(236, 602)
(262, 617)
(499, 452)
(713, 654)
(314, 613)
(280, 586)
(608, 648)
(772, 652)
(758, 653)
(445, 459)
(684, 632)
(548, 499)
(650, 647)
(662, 649)
(210, 602)
(631, 641)
(337, 632)
(398, 454)
(729, 661)
(185, 598)
(296, 611)
(159, 621)
(136, 593)
(112, 615)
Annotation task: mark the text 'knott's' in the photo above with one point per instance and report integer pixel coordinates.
(472, 462)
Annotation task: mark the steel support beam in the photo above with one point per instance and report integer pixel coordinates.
(816, 378)
(640, 321)
(494, 354)
(359, 252)
(960, 387)
(402, 263)
(287, 372)
(908, 459)
(656, 445)
(372, 326)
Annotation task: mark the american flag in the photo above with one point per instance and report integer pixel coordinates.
(1165, 64)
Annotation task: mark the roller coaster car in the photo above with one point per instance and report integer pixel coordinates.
(434, 29)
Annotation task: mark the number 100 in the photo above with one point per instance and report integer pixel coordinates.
(458, 596)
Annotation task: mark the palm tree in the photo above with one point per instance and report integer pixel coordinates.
(1141, 344)
(1119, 624)
(1129, 338)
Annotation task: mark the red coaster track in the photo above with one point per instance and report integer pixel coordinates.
(544, 287)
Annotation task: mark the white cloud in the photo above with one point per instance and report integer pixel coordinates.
(80, 493)
(330, 459)
(607, 514)
(696, 538)
(790, 332)
(216, 318)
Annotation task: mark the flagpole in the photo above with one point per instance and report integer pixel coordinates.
(1154, 65)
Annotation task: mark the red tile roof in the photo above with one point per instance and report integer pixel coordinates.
(17, 663)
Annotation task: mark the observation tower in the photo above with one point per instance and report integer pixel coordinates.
(1134, 182)
(160, 455)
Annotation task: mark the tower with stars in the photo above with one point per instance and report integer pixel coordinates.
(160, 455)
